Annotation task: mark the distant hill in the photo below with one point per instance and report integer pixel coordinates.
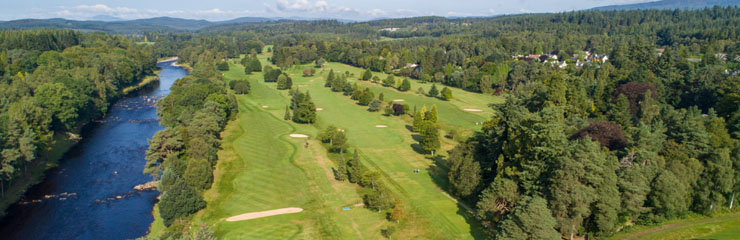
(176, 23)
(672, 4)
(105, 18)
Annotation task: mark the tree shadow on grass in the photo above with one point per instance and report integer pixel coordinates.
(410, 128)
(418, 149)
(416, 137)
(438, 171)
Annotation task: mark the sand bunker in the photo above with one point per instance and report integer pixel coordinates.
(398, 100)
(262, 214)
(298, 135)
(472, 110)
(319, 109)
(265, 106)
(381, 126)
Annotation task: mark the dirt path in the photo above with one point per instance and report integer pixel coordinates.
(262, 214)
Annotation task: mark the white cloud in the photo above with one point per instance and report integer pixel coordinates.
(83, 12)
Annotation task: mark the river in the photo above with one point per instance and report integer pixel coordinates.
(90, 195)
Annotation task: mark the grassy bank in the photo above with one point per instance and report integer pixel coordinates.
(144, 83)
(720, 226)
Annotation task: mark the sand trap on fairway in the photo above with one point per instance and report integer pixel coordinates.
(398, 100)
(298, 135)
(472, 110)
(262, 214)
(319, 109)
(265, 106)
(381, 126)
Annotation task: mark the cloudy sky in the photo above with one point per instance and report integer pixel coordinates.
(229, 9)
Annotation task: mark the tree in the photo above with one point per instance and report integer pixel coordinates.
(419, 119)
(304, 110)
(530, 219)
(397, 214)
(320, 63)
(287, 113)
(381, 97)
(330, 78)
(485, 84)
(375, 105)
(431, 116)
(433, 92)
(253, 65)
(668, 196)
(272, 75)
(223, 66)
(446, 93)
(240, 86)
(308, 72)
(389, 81)
(355, 168)
(405, 85)
(341, 172)
(198, 174)
(367, 75)
(465, 173)
(366, 97)
(430, 138)
(284, 82)
(179, 201)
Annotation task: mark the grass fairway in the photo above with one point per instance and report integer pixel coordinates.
(390, 150)
(726, 226)
(261, 168)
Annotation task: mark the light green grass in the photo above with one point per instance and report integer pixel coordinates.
(389, 150)
(260, 168)
(724, 226)
(143, 83)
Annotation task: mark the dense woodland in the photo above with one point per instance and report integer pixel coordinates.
(52, 83)
(649, 135)
(183, 155)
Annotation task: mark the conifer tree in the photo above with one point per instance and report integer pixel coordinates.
(287, 113)
(430, 138)
(433, 92)
(341, 168)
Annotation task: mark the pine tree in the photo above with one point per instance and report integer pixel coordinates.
(341, 168)
(381, 97)
(433, 92)
(530, 219)
(431, 116)
(287, 113)
(330, 78)
(430, 138)
(355, 170)
(367, 75)
(405, 85)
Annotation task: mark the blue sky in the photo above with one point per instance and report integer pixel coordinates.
(229, 9)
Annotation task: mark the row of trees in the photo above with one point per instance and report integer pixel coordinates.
(376, 195)
(182, 156)
(54, 82)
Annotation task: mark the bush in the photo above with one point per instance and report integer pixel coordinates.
(308, 72)
(405, 85)
(375, 105)
(240, 86)
(398, 109)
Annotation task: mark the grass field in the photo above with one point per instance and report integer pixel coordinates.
(725, 226)
(261, 168)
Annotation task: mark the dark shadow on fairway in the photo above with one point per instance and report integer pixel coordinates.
(416, 137)
(410, 128)
(438, 172)
(417, 148)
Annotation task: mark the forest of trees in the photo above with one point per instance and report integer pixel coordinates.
(52, 83)
(183, 155)
(650, 135)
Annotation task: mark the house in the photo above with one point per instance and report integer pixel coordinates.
(562, 64)
(389, 29)
(411, 65)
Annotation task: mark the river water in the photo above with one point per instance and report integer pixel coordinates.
(90, 195)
